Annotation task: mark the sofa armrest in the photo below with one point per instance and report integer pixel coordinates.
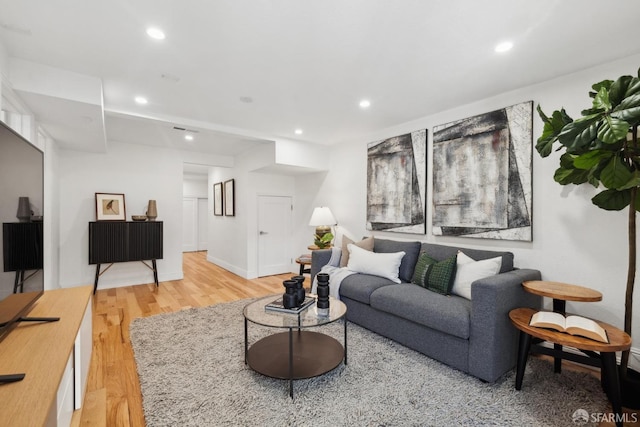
(319, 258)
(493, 339)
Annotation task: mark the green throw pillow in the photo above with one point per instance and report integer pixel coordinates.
(433, 275)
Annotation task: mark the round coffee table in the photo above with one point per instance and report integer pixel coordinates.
(297, 353)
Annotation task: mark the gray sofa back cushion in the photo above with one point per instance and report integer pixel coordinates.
(442, 252)
(411, 252)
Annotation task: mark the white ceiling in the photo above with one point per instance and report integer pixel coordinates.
(304, 64)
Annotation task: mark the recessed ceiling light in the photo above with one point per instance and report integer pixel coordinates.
(298, 131)
(503, 47)
(141, 100)
(155, 33)
(365, 103)
(188, 137)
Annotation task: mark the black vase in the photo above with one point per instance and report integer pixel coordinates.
(323, 294)
(300, 292)
(290, 297)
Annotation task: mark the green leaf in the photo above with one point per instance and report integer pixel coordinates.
(612, 200)
(615, 174)
(579, 133)
(601, 100)
(591, 158)
(603, 84)
(634, 181)
(565, 176)
(552, 127)
(634, 87)
(629, 109)
(618, 90)
(612, 130)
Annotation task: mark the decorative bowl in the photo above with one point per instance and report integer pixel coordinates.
(139, 217)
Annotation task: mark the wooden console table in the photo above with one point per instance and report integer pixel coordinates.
(605, 360)
(124, 241)
(53, 356)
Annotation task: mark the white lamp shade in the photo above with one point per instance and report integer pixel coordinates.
(322, 216)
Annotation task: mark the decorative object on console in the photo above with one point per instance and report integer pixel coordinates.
(323, 220)
(229, 198)
(397, 183)
(110, 207)
(24, 209)
(323, 294)
(482, 175)
(152, 210)
(138, 217)
(217, 199)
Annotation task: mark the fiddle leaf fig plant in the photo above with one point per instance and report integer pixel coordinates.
(601, 148)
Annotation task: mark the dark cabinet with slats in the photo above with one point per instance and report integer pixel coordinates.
(124, 241)
(21, 249)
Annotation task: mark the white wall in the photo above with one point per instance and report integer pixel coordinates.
(141, 173)
(195, 186)
(233, 241)
(573, 241)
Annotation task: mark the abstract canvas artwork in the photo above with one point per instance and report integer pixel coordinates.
(482, 175)
(396, 183)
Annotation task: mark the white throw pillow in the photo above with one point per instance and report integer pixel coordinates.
(378, 264)
(469, 270)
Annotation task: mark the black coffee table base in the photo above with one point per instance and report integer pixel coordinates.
(296, 355)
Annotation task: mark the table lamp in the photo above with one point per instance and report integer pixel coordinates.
(322, 219)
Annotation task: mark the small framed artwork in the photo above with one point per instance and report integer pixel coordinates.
(229, 198)
(217, 199)
(110, 207)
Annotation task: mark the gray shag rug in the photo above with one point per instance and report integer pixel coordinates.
(192, 373)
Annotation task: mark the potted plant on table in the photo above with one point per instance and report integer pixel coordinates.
(601, 148)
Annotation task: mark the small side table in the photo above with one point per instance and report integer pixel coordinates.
(304, 262)
(561, 293)
(605, 360)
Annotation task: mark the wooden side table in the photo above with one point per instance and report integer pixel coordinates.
(561, 293)
(304, 262)
(605, 360)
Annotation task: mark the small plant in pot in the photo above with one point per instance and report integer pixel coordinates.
(601, 148)
(323, 241)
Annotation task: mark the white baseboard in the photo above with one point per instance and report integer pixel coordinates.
(232, 268)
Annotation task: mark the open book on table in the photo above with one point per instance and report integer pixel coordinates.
(574, 325)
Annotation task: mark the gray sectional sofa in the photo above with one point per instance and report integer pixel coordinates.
(474, 336)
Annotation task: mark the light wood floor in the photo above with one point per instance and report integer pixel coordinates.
(113, 391)
(112, 374)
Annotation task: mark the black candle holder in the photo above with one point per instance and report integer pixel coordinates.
(323, 294)
(300, 292)
(290, 297)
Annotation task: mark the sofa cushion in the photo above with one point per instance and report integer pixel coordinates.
(435, 275)
(448, 314)
(469, 270)
(411, 250)
(366, 243)
(385, 264)
(359, 287)
(441, 252)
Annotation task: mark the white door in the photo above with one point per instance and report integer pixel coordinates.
(189, 224)
(274, 235)
(203, 224)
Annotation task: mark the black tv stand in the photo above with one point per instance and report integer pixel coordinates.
(12, 378)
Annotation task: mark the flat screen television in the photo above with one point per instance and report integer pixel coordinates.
(22, 277)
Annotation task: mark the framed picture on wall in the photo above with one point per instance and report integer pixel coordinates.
(110, 207)
(217, 199)
(229, 198)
